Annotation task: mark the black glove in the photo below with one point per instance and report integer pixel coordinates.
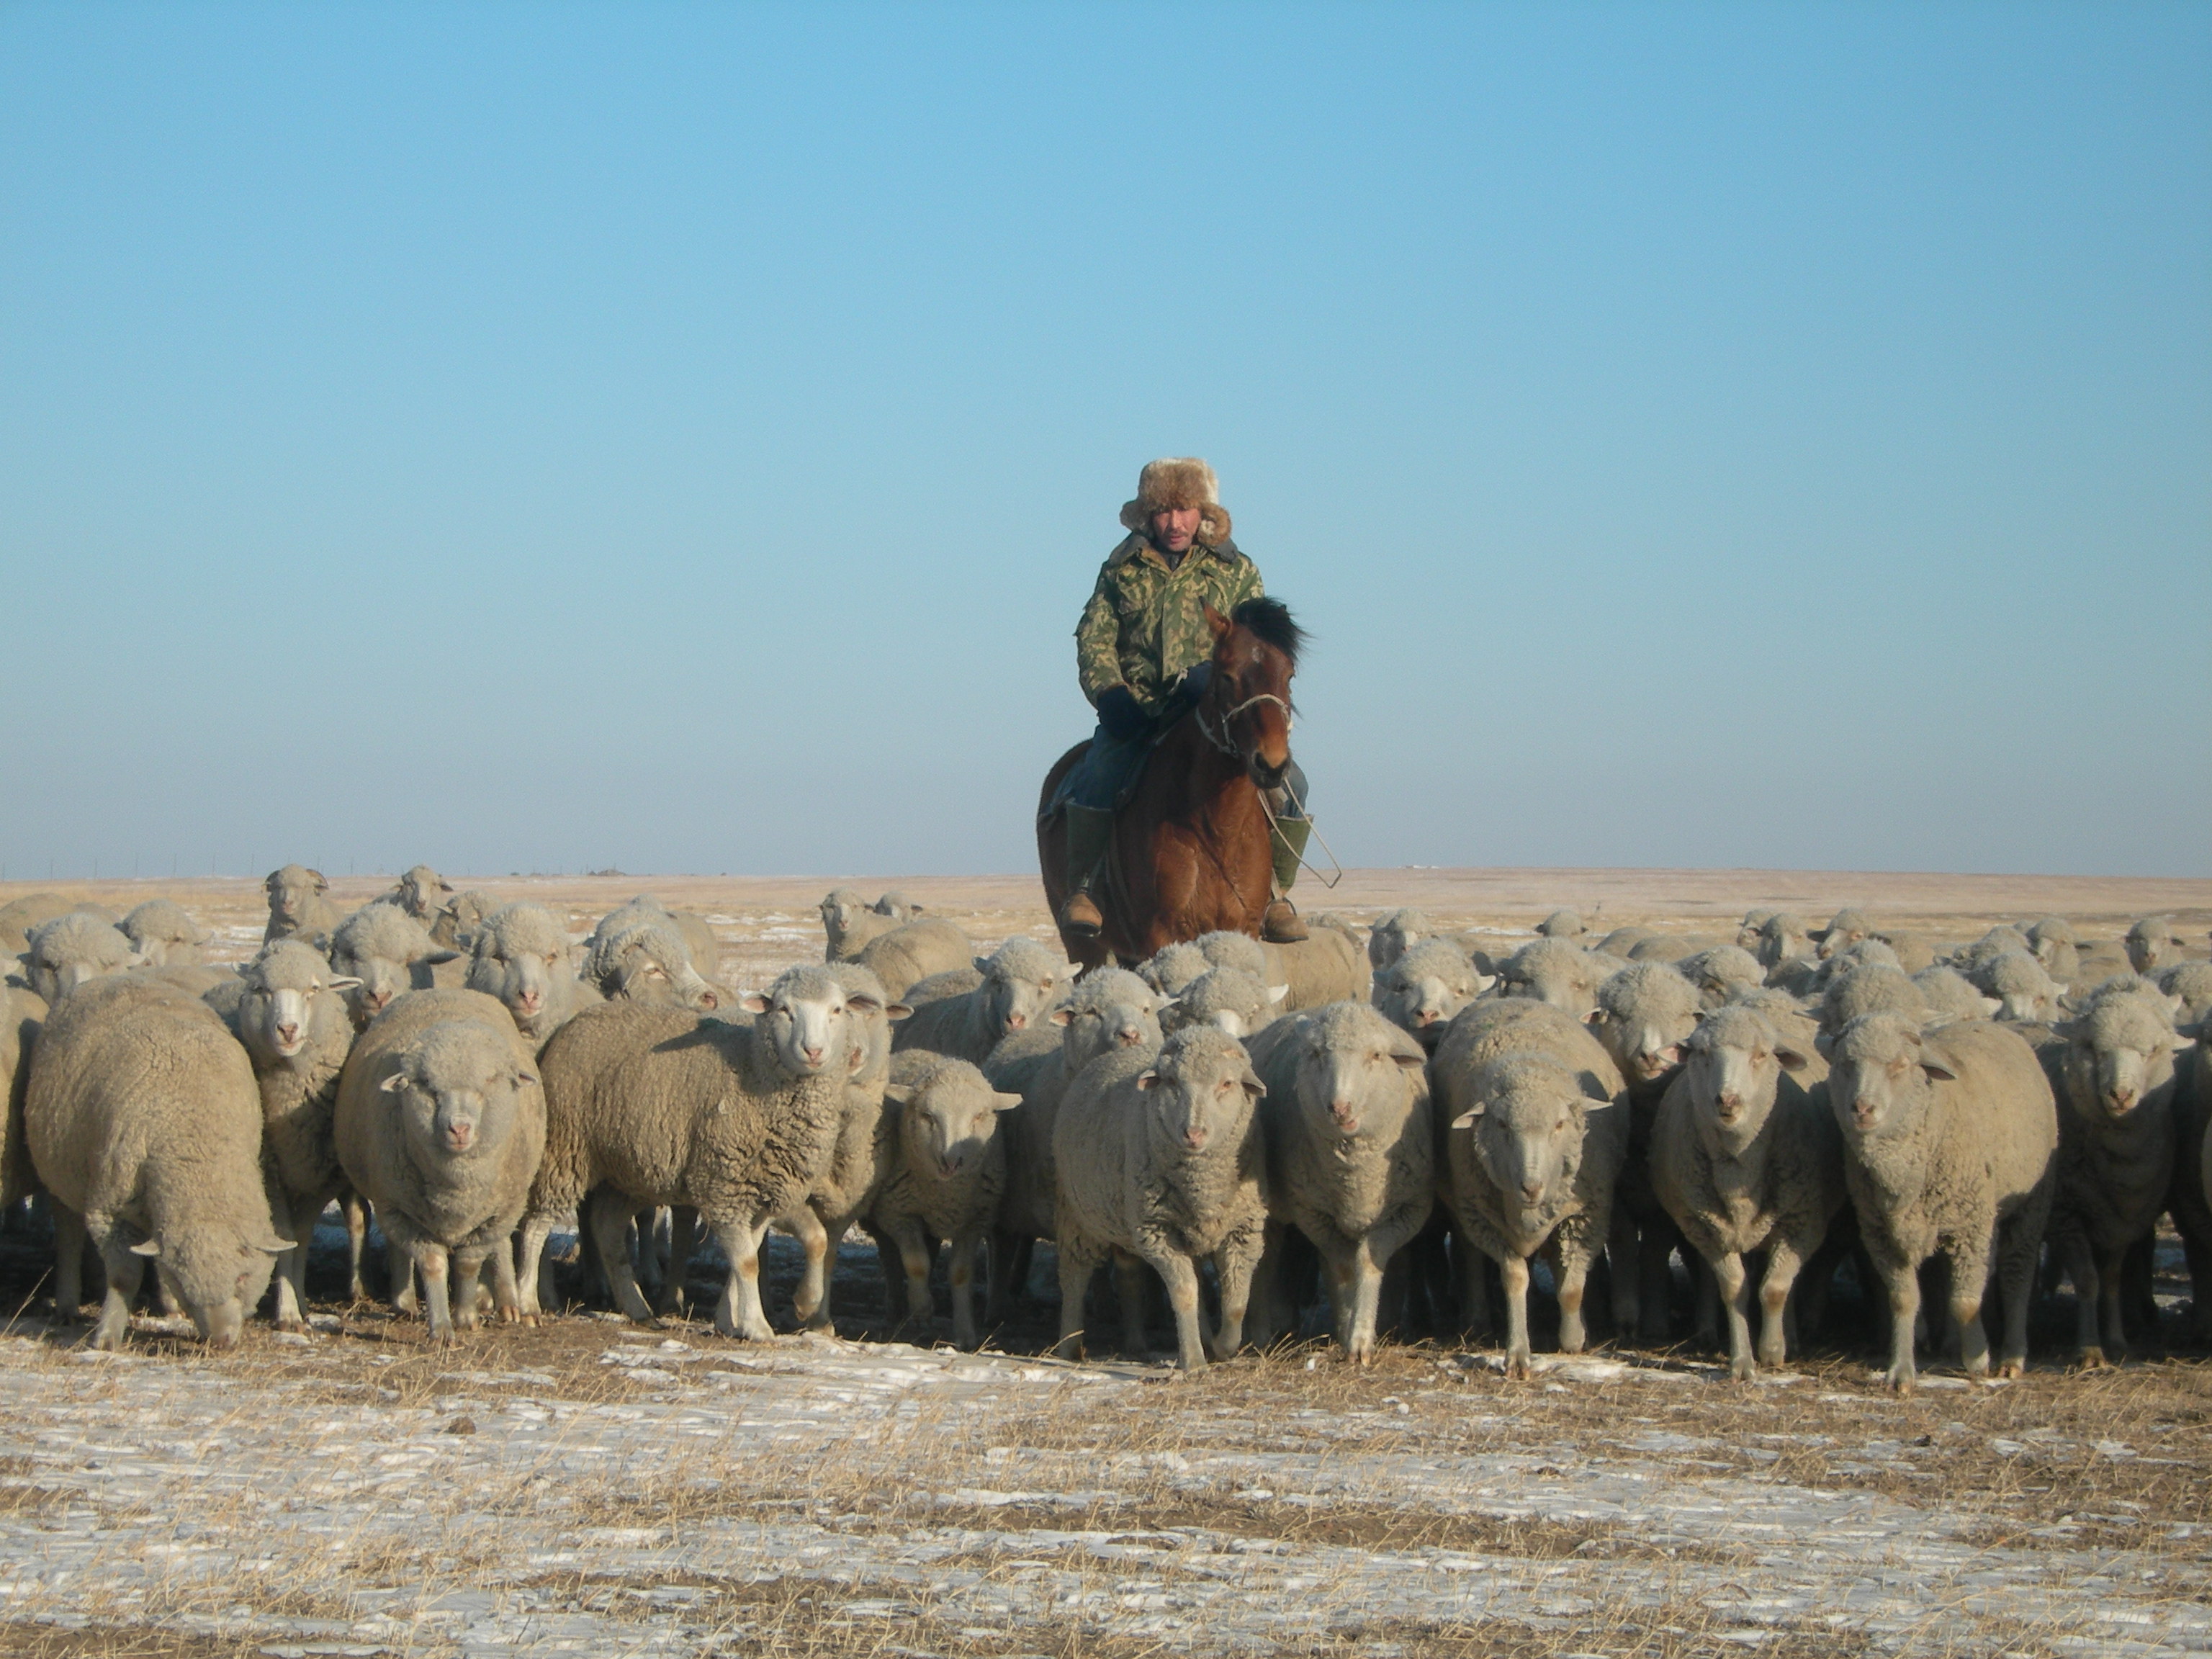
(1195, 678)
(1118, 712)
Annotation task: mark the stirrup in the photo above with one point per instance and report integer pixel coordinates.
(1079, 916)
(1280, 924)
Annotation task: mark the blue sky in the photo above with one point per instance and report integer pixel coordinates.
(681, 437)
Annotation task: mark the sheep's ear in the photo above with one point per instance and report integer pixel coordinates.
(1484, 981)
(982, 964)
(753, 1003)
(1824, 1045)
(439, 958)
(1791, 1060)
(273, 1245)
(525, 1079)
(151, 1250)
(1594, 1017)
(896, 1010)
(393, 1084)
(1411, 1061)
(1938, 1070)
(1991, 1007)
(1277, 993)
(1005, 1102)
(1062, 1015)
(860, 1000)
(1148, 1079)
(1466, 1119)
(344, 982)
(898, 1094)
(322, 885)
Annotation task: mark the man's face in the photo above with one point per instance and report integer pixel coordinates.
(1173, 528)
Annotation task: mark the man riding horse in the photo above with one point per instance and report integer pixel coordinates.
(1144, 653)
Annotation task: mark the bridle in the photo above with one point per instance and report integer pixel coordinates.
(1220, 739)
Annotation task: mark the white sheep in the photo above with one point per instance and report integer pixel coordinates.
(299, 907)
(1782, 938)
(913, 950)
(72, 950)
(2057, 947)
(1847, 927)
(164, 934)
(1950, 1142)
(946, 1174)
(1161, 1158)
(2153, 942)
(291, 1015)
(1395, 934)
(1644, 1016)
(699, 942)
(386, 952)
(21, 1014)
(1351, 1158)
(1721, 972)
(1562, 924)
(1426, 986)
(19, 916)
(1949, 994)
(1553, 971)
(143, 1125)
(441, 1123)
(648, 960)
(2189, 985)
(2025, 990)
(657, 1106)
(455, 925)
(421, 893)
(520, 956)
(1021, 981)
(1537, 1131)
(1173, 968)
(851, 924)
(1228, 999)
(1744, 1159)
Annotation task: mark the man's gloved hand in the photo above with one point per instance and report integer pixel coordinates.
(1119, 713)
(1195, 678)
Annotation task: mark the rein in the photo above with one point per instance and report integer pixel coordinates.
(1220, 739)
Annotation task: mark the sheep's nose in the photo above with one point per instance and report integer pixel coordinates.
(2122, 1097)
(813, 1053)
(1342, 1111)
(288, 1033)
(709, 999)
(1532, 1190)
(1193, 1138)
(1426, 1016)
(1017, 1022)
(460, 1136)
(1128, 1036)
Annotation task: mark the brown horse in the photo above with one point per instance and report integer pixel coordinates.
(1190, 853)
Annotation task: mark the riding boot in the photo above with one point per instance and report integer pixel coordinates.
(1281, 923)
(1089, 831)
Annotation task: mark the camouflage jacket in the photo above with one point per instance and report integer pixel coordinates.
(1147, 623)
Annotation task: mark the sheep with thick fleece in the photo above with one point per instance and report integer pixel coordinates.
(1563, 924)
(1536, 1131)
(1745, 1159)
(1671, 947)
(299, 907)
(1228, 999)
(2057, 947)
(850, 924)
(657, 1106)
(648, 961)
(1393, 934)
(1950, 1145)
(2115, 1070)
(1161, 1158)
(421, 893)
(2153, 942)
(1351, 1152)
(1173, 968)
(292, 1017)
(1644, 1015)
(1110, 1010)
(956, 981)
(19, 916)
(913, 950)
(1873, 987)
(1747, 930)
(520, 956)
(699, 943)
(860, 1157)
(1950, 995)
(946, 1177)
(1846, 928)
(73, 950)
(1428, 985)
(2019, 980)
(1622, 940)
(2188, 984)
(21, 1014)
(144, 1128)
(1782, 938)
(455, 925)
(387, 951)
(1913, 952)
(440, 1125)
(1552, 971)
(164, 934)
(1721, 972)
(2000, 941)
(1329, 967)
(1022, 980)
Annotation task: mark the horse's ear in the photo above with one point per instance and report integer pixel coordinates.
(1219, 624)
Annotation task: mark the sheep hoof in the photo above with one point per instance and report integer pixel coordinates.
(2013, 1370)
(1517, 1366)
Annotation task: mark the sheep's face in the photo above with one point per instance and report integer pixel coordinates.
(1172, 969)
(423, 890)
(1750, 931)
(292, 891)
(1644, 1017)
(1391, 937)
(1782, 938)
(1122, 1017)
(949, 1122)
(1227, 998)
(165, 937)
(378, 951)
(1421, 991)
(292, 997)
(1525, 1124)
(2120, 1052)
(1357, 1074)
(1202, 1091)
(459, 1089)
(809, 1018)
(1874, 988)
(2192, 983)
(2150, 946)
(653, 965)
(1733, 1073)
(218, 1276)
(70, 950)
(1017, 992)
(1880, 1077)
(1848, 928)
(1559, 975)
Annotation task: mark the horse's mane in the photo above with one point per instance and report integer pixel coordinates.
(1269, 620)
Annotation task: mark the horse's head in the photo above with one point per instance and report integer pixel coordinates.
(1247, 705)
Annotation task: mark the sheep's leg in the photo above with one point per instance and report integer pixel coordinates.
(1515, 1271)
(465, 1273)
(533, 1272)
(1969, 1278)
(1232, 1265)
(894, 1273)
(431, 1260)
(1131, 1290)
(683, 1237)
(69, 1260)
(1625, 1258)
(1654, 1288)
(1473, 1268)
(292, 1270)
(1784, 1262)
(1007, 1251)
(916, 1259)
(1265, 1323)
(1573, 1261)
(811, 1301)
(2018, 1247)
(610, 1224)
(2078, 1261)
(1181, 1280)
(1366, 1275)
(165, 1294)
(357, 1225)
(963, 1277)
(1736, 1297)
(739, 1313)
(1079, 1260)
(1902, 1281)
(126, 1270)
(1705, 1299)
(2114, 1272)
(401, 1271)
(506, 1298)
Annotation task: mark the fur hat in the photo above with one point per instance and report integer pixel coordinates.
(1178, 481)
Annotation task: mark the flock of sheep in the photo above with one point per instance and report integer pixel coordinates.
(1371, 1120)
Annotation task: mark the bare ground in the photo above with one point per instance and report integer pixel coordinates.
(589, 1487)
